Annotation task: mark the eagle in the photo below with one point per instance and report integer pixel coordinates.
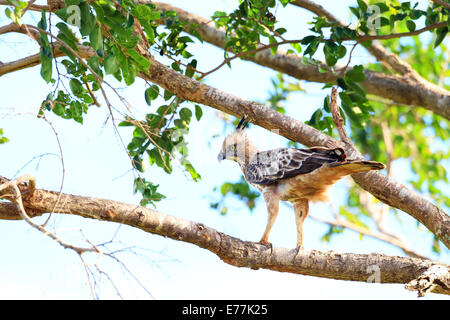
(290, 174)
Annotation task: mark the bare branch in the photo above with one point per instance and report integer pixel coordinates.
(363, 38)
(375, 49)
(382, 187)
(428, 280)
(412, 91)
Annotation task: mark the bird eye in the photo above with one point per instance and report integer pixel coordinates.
(233, 147)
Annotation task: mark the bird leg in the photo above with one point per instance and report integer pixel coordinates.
(272, 202)
(301, 208)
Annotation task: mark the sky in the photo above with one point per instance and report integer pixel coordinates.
(95, 164)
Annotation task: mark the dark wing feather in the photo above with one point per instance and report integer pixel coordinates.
(268, 167)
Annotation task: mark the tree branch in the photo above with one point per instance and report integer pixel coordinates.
(384, 188)
(363, 38)
(344, 266)
(24, 63)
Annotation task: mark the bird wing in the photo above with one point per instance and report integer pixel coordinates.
(271, 166)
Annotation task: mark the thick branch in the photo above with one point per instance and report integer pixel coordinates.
(404, 90)
(344, 266)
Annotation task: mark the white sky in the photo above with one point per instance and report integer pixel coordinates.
(33, 266)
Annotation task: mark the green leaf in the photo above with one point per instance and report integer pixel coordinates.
(281, 31)
(341, 83)
(3, 139)
(355, 74)
(198, 112)
(67, 36)
(129, 73)
(43, 22)
(185, 114)
(382, 6)
(416, 14)
(62, 14)
(308, 39)
(410, 25)
(440, 35)
(111, 64)
(274, 49)
(151, 93)
(190, 70)
(355, 11)
(384, 21)
(341, 52)
(312, 48)
(345, 98)
(143, 63)
(170, 14)
(76, 87)
(362, 5)
(330, 50)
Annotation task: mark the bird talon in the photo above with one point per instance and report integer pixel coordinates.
(298, 249)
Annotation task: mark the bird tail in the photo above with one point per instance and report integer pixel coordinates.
(354, 166)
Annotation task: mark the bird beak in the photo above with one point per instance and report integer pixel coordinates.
(220, 156)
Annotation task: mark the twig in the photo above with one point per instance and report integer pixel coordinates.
(363, 38)
(337, 118)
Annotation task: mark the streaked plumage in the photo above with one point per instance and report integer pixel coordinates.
(289, 174)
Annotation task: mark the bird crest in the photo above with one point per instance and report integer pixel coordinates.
(237, 146)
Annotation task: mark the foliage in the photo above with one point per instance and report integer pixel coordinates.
(108, 28)
(417, 134)
(239, 189)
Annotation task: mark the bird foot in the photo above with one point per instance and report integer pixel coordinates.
(298, 248)
(267, 244)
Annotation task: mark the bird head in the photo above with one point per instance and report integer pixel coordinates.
(237, 146)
